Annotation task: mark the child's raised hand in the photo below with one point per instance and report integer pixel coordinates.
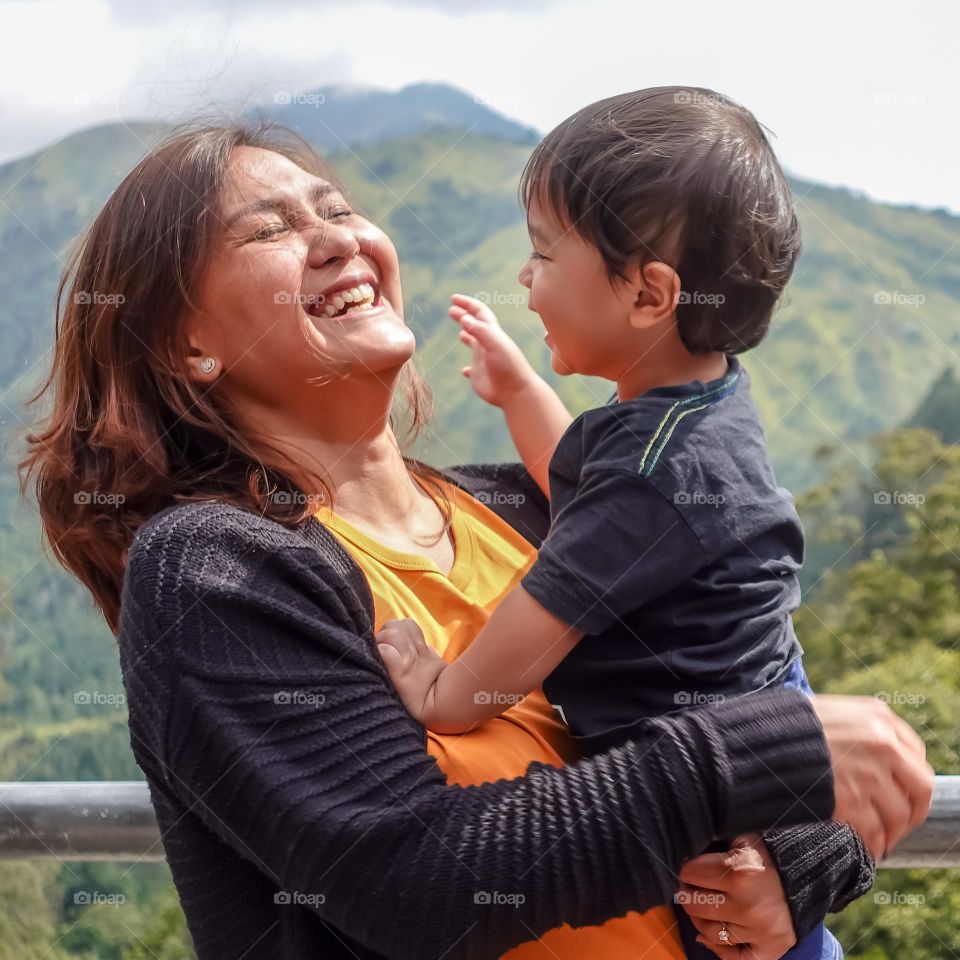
(412, 665)
(498, 367)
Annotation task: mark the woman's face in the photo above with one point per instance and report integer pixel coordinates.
(291, 251)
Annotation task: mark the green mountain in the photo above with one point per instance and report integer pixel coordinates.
(47, 198)
(865, 328)
(939, 410)
(864, 331)
(332, 117)
(863, 336)
(868, 322)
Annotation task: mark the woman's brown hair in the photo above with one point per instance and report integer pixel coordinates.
(127, 432)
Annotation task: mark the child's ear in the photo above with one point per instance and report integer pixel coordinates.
(658, 290)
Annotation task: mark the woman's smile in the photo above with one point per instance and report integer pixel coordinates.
(351, 296)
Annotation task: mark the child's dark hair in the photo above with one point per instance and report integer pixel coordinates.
(685, 176)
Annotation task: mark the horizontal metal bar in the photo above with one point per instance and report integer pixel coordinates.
(937, 842)
(78, 820)
(114, 820)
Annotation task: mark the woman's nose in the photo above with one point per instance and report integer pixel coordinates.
(333, 242)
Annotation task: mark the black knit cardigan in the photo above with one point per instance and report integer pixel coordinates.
(302, 816)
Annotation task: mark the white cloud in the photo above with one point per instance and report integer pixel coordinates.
(864, 96)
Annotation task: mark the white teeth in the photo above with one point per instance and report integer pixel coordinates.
(359, 296)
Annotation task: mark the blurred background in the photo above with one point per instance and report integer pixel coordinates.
(428, 111)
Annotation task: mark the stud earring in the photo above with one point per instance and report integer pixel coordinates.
(208, 364)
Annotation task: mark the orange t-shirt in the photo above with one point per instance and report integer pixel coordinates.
(490, 559)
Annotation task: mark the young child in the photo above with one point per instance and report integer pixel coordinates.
(663, 235)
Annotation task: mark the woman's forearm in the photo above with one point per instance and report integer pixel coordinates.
(373, 827)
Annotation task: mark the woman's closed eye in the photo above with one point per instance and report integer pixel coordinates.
(268, 231)
(332, 213)
(273, 230)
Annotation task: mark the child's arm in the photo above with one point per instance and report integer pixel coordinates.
(518, 647)
(501, 375)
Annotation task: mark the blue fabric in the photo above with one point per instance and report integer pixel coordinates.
(820, 943)
(795, 677)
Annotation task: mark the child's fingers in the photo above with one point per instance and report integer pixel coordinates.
(397, 634)
(476, 308)
(419, 640)
(392, 658)
(485, 334)
(462, 317)
(468, 303)
(474, 329)
(468, 340)
(460, 314)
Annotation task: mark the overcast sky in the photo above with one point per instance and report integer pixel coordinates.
(861, 94)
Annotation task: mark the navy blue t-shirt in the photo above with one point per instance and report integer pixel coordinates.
(672, 547)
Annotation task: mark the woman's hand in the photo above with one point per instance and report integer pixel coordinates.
(882, 782)
(412, 665)
(498, 367)
(738, 890)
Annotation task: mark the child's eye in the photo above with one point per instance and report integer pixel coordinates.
(536, 256)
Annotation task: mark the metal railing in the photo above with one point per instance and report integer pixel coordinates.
(114, 821)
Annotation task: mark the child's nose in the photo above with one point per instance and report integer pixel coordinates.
(524, 275)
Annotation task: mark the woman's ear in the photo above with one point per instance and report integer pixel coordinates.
(203, 367)
(657, 296)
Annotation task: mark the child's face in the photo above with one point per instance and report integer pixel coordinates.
(586, 317)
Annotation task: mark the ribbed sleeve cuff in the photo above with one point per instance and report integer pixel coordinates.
(777, 770)
(823, 867)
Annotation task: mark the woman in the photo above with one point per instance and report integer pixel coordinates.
(235, 396)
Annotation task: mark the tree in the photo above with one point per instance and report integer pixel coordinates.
(884, 621)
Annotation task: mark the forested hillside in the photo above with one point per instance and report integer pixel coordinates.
(866, 342)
